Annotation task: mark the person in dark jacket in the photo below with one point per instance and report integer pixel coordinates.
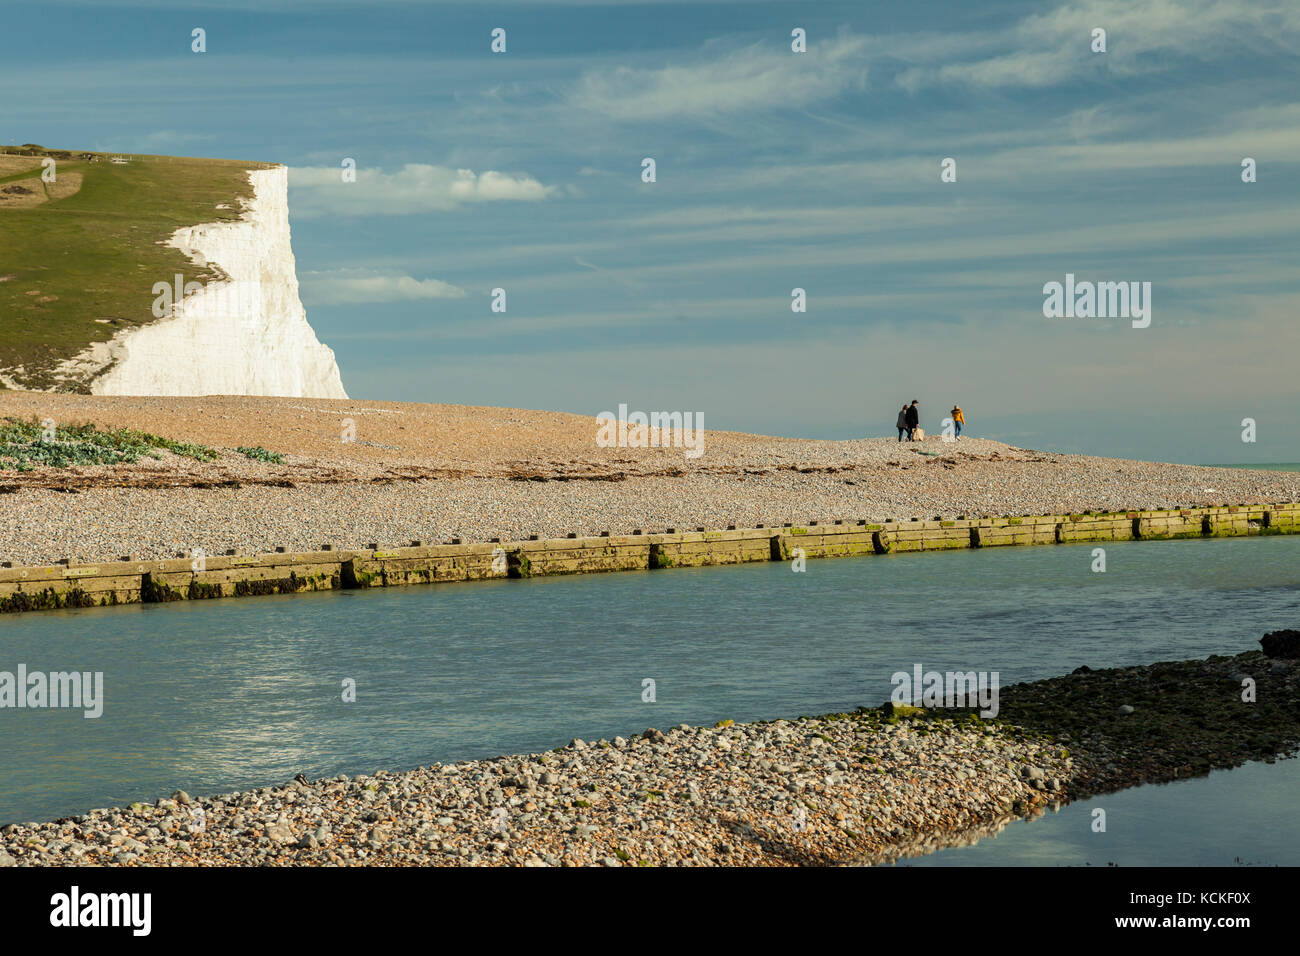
(913, 418)
(902, 422)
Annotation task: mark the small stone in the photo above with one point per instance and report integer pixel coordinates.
(1124, 710)
(280, 833)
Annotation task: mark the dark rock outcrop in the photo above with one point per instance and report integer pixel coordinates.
(1281, 644)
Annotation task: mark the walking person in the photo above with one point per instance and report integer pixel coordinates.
(913, 416)
(902, 424)
(958, 419)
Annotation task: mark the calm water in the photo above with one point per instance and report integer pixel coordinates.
(1241, 817)
(220, 695)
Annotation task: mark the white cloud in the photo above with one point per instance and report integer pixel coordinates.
(355, 286)
(1141, 36)
(1145, 239)
(759, 77)
(415, 188)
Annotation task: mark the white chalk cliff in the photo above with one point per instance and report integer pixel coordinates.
(245, 336)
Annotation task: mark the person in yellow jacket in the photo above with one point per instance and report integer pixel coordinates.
(958, 419)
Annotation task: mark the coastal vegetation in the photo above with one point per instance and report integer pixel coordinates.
(258, 453)
(80, 264)
(27, 444)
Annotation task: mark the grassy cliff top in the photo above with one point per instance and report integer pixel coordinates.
(81, 254)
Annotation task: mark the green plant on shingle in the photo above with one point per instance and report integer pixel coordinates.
(23, 446)
(258, 453)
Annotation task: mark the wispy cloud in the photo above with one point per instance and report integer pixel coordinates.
(714, 82)
(356, 286)
(415, 188)
(1142, 36)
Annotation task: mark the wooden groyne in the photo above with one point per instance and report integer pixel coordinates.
(127, 581)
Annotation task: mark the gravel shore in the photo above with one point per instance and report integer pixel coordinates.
(436, 472)
(865, 787)
(861, 788)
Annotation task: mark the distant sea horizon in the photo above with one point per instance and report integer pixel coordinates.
(1268, 466)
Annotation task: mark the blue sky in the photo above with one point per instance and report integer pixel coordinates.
(775, 170)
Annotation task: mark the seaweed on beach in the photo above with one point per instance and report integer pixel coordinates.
(1164, 721)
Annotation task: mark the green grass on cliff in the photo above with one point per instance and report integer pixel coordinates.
(79, 269)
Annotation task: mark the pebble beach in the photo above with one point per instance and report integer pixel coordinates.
(860, 788)
(437, 472)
